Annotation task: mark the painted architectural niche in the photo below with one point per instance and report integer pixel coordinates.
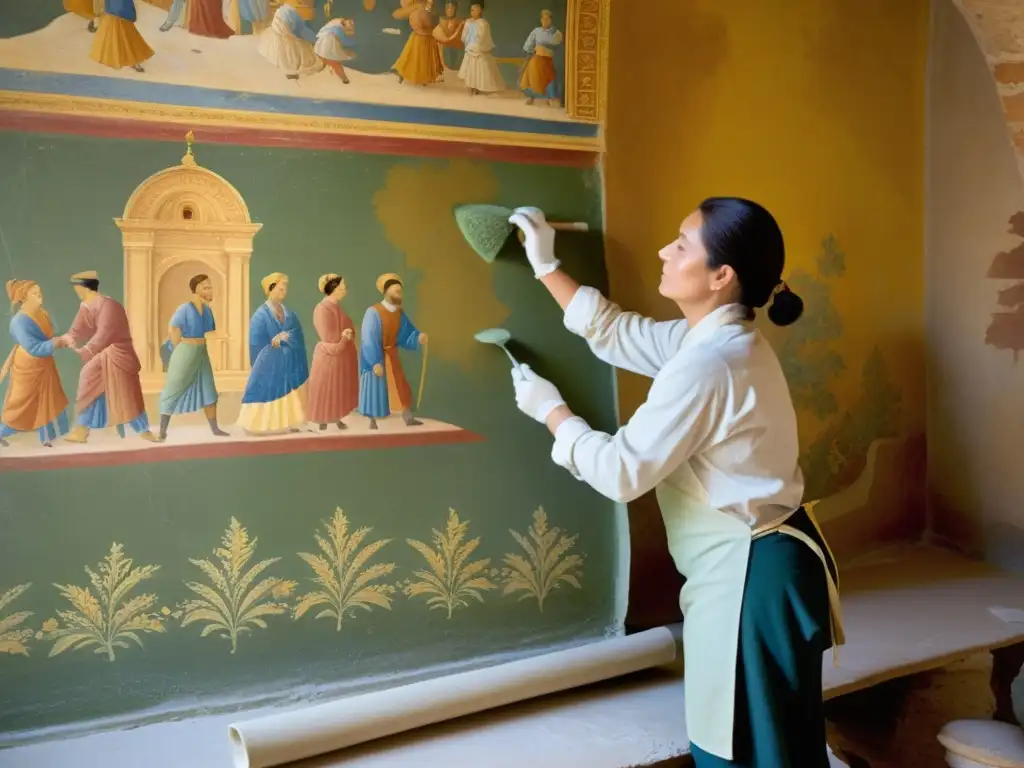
(179, 222)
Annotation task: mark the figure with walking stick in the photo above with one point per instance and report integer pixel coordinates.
(383, 387)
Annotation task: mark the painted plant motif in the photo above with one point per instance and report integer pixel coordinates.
(12, 639)
(805, 351)
(547, 564)
(450, 580)
(1006, 331)
(837, 456)
(105, 616)
(234, 602)
(345, 580)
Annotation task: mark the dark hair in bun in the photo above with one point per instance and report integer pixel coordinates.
(743, 235)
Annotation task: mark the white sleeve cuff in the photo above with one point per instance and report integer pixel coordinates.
(566, 435)
(581, 310)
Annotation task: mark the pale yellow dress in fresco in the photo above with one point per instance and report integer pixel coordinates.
(420, 62)
(118, 43)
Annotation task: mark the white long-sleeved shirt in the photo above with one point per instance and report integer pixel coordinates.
(718, 422)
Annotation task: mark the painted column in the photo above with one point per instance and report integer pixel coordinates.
(138, 297)
(237, 319)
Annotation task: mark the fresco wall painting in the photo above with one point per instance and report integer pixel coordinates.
(188, 367)
(265, 320)
(520, 73)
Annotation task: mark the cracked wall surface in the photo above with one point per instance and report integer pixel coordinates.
(998, 27)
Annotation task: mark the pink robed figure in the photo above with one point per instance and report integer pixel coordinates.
(334, 374)
(109, 390)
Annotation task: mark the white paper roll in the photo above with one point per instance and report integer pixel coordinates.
(278, 739)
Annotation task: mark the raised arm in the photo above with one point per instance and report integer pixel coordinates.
(623, 339)
(684, 410)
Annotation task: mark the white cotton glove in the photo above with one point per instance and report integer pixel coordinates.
(536, 396)
(540, 239)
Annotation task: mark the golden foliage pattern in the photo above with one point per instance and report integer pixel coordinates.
(345, 580)
(234, 602)
(450, 580)
(12, 639)
(547, 564)
(236, 597)
(105, 616)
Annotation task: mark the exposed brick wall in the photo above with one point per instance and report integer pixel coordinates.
(998, 26)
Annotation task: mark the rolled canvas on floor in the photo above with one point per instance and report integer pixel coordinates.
(279, 739)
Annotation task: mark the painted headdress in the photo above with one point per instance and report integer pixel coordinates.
(384, 280)
(324, 280)
(85, 278)
(17, 290)
(271, 280)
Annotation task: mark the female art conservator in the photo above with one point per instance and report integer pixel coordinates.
(118, 43)
(716, 439)
(35, 398)
(275, 395)
(334, 375)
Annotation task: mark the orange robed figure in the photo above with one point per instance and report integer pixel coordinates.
(35, 399)
(383, 387)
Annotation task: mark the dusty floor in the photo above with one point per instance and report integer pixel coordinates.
(895, 725)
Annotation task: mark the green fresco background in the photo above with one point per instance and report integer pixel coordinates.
(58, 198)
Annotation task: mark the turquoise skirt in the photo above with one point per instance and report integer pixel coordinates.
(784, 629)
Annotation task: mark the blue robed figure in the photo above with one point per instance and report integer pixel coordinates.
(383, 386)
(275, 394)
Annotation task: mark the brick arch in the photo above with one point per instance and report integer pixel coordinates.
(998, 26)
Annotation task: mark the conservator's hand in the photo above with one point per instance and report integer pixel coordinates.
(540, 239)
(536, 396)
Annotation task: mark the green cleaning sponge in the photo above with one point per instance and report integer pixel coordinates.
(485, 227)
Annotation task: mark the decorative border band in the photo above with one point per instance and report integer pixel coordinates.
(83, 106)
(587, 59)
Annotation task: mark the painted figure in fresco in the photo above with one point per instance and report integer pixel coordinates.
(35, 398)
(448, 34)
(200, 17)
(479, 70)
(383, 388)
(190, 385)
(109, 390)
(176, 15)
(256, 13)
(90, 10)
(118, 42)
(420, 60)
(539, 79)
(206, 18)
(334, 44)
(275, 396)
(334, 375)
(288, 44)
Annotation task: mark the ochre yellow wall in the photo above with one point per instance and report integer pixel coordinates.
(814, 108)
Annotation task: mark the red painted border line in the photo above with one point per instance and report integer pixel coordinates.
(156, 454)
(36, 122)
